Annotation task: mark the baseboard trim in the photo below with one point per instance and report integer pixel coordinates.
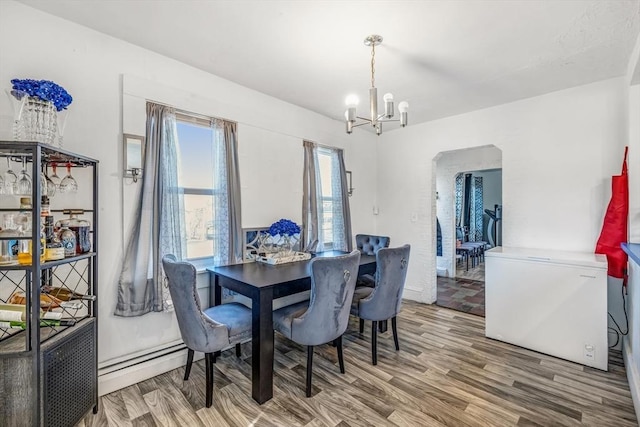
(413, 294)
(112, 380)
(632, 375)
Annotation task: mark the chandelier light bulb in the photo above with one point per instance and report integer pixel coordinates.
(388, 105)
(403, 107)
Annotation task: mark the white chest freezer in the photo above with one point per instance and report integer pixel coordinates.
(552, 302)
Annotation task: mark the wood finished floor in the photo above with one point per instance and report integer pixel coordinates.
(446, 373)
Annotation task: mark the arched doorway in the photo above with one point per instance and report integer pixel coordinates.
(468, 195)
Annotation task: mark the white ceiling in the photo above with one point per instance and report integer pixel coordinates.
(444, 57)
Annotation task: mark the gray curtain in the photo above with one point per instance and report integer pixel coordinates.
(310, 234)
(158, 227)
(341, 211)
(227, 211)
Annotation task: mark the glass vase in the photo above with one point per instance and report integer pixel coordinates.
(35, 119)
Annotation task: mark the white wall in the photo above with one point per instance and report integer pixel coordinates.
(448, 165)
(91, 66)
(558, 153)
(631, 344)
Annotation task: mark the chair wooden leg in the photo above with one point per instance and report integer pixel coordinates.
(374, 342)
(238, 350)
(187, 369)
(340, 356)
(382, 326)
(394, 328)
(309, 366)
(209, 374)
(361, 325)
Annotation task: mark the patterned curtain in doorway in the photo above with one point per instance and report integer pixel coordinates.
(459, 190)
(477, 209)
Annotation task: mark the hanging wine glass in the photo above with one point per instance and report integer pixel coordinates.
(55, 178)
(24, 183)
(43, 185)
(68, 183)
(10, 180)
(47, 183)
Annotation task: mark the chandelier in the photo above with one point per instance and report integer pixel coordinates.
(375, 120)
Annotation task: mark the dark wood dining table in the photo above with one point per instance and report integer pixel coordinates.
(263, 283)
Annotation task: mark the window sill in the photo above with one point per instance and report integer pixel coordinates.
(201, 264)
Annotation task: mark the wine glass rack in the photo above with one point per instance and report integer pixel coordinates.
(48, 361)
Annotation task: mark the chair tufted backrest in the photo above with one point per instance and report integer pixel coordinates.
(199, 332)
(333, 280)
(369, 244)
(386, 298)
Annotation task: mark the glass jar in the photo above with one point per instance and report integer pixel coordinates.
(8, 247)
(25, 244)
(23, 220)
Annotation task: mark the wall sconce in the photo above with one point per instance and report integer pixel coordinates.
(133, 155)
(349, 183)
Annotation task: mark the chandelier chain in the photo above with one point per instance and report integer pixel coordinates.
(373, 62)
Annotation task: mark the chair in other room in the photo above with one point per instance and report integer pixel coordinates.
(209, 331)
(369, 244)
(383, 302)
(325, 317)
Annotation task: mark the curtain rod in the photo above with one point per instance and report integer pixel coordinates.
(190, 113)
(322, 145)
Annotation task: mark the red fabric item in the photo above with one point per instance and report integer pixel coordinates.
(615, 225)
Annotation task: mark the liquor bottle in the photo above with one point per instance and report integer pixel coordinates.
(9, 314)
(44, 208)
(54, 249)
(65, 294)
(68, 239)
(47, 302)
(81, 229)
(14, 324)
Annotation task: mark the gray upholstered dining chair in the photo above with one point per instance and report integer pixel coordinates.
(369, 244)
(208, 331)
(383, 302)
(325, 317)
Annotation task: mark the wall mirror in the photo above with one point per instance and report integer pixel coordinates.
(349, 183)
(133, 155)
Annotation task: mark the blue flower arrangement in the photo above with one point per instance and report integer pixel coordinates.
(43, 89)
(284, 227)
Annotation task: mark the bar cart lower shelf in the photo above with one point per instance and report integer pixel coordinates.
(67, 379)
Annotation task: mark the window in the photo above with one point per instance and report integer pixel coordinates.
(326, 165)
(332, 218)
(196, 144)
(326, 216)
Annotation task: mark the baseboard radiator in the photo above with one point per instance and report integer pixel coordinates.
(130, 369)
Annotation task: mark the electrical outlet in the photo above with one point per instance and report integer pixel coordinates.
(589, 352)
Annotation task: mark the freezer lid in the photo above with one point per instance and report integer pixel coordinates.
(584, 259)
